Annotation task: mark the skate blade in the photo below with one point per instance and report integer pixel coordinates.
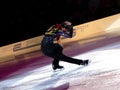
(57, 70)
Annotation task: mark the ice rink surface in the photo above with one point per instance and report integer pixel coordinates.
(103, 73)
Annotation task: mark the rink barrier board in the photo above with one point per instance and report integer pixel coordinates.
(83, 31)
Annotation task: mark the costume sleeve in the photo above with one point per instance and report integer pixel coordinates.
(59, 33)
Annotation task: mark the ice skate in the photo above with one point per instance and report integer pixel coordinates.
(85, 62)
(57, 67)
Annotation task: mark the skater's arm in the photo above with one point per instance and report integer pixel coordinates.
(59, 40)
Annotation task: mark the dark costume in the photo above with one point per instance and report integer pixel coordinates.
(54, 50)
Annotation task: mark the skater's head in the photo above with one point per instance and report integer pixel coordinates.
(67, 26)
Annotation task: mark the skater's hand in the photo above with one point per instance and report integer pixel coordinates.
(59, 41)
(61, 45)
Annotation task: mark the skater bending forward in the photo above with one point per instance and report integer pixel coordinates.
(54, 49)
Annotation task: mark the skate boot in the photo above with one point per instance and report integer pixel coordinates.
(85, 62)
(57, 67)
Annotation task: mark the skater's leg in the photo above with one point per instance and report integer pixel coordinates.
(55, 64)
(72, 60)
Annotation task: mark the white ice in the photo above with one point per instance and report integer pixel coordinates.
(105, 63)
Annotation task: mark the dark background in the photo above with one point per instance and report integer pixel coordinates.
(23, 20)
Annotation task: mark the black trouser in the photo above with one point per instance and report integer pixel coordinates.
(55, 51)
(58, 55)
(62, 57)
